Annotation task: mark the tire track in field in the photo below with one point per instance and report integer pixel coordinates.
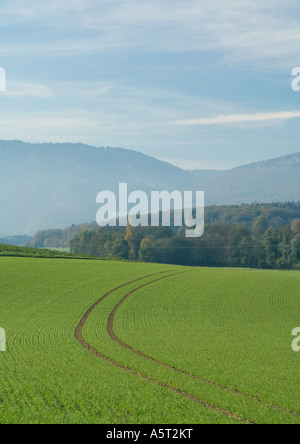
(87, 346)
(115, 338)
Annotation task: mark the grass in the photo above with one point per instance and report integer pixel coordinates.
(230, 327)
(227, 333)
(51, 253)
(60, 249)
(13, 251)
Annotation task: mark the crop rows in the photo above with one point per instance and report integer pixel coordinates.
(113, 342)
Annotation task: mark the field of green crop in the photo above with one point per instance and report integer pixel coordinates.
(116, 342)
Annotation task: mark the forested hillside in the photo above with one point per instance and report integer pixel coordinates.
(59, 182)
(255, 236)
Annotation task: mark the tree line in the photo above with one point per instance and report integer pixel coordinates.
(252, 236)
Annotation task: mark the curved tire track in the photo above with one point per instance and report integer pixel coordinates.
(115, 338)
(87, 346)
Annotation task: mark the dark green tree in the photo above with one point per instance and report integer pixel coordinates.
(271, 244)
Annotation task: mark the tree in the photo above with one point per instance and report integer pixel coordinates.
(121, 249)
(147, 251)
(182, 253)
(239, 245)
(295, 226)
(285, 261)
(260, 226)
(295, 250)
(271, 242)
(134, 237)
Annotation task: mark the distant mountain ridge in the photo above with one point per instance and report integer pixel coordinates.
(46, 186)
(276, 180)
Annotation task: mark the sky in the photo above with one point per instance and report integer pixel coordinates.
(202, 84)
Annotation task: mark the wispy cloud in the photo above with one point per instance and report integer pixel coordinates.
(240, 118)
(17, 89)
(245, 31)
(117, 72)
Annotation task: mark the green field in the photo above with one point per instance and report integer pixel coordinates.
(120, 342)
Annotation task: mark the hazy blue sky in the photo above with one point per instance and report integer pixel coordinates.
(200, 83)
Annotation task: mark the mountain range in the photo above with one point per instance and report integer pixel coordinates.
(44, 186)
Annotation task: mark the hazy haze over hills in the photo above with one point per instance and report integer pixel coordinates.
(55, 185)
(276, 180)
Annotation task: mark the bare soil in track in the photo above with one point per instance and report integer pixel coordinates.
(80, 339)
(114, 337)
